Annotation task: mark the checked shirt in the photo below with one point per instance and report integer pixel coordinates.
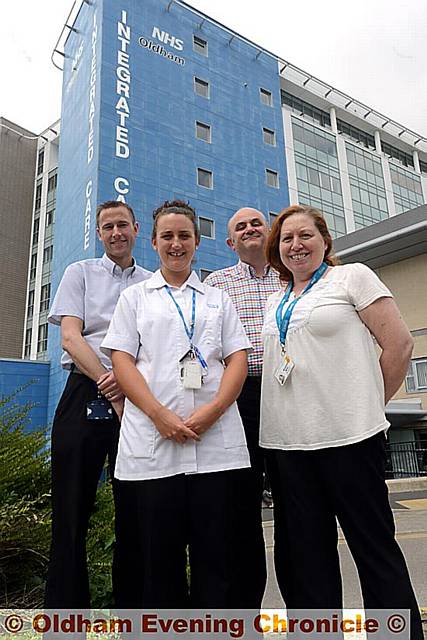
(249, 294)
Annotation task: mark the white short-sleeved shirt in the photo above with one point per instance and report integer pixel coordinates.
(146, 324)
(89, 290)
(335, 394)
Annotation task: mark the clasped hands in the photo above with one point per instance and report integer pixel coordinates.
(109, 388)
(172, 427)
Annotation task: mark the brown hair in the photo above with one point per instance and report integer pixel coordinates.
(113, 204)
(176, 206)
(273, 242)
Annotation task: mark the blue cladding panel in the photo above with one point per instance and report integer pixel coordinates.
(159, 153)
(15, 374)
(163, 150)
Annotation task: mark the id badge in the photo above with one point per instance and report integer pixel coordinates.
(192, 374)
(283, 371)
(99, 410)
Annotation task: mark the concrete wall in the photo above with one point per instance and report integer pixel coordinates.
(407, 280)
(17, 169)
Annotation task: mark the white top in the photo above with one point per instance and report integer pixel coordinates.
(146, 324)
(335, 394)
(89, 290)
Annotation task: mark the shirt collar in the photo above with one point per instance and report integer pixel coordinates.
(247, 270)
(157, 281)
(114, 268)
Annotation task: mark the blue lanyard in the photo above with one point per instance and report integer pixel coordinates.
(189, 331)
(283, 322)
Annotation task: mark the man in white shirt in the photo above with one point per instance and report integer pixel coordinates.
(249, 283)
(86, 423)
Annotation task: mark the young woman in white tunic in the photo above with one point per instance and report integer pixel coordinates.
(179, 354)
(324, 391)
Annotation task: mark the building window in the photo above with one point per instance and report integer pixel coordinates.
(30, 305)
(355, 134)
(423, 166)
(392, 152)
(40, 162)
(48, 254)
(45, 297)
(200, 46)
(416, 378)
(207, 228)
(42, 338)
(36, 228)
(51, 188)
(272, 178)
(367, 186)
(204, 178)
(27, 346)
(50, 217)
(308, 111)
(201, 87)
(204, 274)
(407, 189)
(268, 136)
(203, 131)
(38, 198)
(266, 97)
(33, 266)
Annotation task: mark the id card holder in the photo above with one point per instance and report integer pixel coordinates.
(192, 374)
(283, 371)
(99, 409)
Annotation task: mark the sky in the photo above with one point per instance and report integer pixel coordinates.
(373, 50)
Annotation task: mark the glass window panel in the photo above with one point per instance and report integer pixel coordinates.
(200, 46)
(326, 195)
(266, 97)
(313, 176)
(301, 171)
(206, 227)
(203, 131)
(325, 181)
(421, 371)
(373, 199)
(336, 184)
(364, 195)
(204, 178)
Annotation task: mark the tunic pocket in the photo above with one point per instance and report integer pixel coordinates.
(233, 433)
(137, 434)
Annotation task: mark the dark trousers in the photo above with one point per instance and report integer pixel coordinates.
(160, 519)
(250, 569)
(311, 489)
(79, 450)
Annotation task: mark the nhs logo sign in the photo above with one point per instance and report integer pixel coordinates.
(166, 38)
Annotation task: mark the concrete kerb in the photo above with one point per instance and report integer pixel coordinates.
(400, 485)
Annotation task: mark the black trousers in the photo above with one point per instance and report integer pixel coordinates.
(250, 569)
(160, 519)
(310, 490)
(79, 450)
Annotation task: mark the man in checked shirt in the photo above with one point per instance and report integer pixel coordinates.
(249, 283)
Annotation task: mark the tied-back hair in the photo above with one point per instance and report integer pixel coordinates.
(273, 242)
(176, 206)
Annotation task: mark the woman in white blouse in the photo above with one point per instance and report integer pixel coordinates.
(322, 418)
(179, 354)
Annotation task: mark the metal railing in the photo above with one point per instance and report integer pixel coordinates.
(406, 460)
